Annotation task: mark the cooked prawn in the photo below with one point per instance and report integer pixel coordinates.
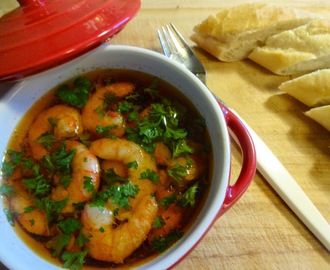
(162, 154)
(118, 167)
(115, 242)
(126, 152)
(194, 164)
(97, 112)
(171, 215)
(61, 120)
(85, 167)
(32, 221)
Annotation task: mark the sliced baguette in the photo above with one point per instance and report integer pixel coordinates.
(312, 89)
(233, 33)
(321, 115)
(297, 51)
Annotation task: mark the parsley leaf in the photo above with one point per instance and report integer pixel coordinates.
(125, 106)
(7, 190)
(37, 184)
(158, 222)
(81, 240)
(69, 225)
(62, 159)
(134, 164)
(14, 159)
(51, 208)
(66, 180)
(88, 183)
(178, 171)
(188, 198)
(168, 200)
(74, 260)
(47, 140)
(180, 148)
(76, 96)
(103, 130)
(120, 195)
(111, 177)
(58, 243)
(151, 175)
(161, 243)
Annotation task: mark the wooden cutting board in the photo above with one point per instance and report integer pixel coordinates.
(260, 231)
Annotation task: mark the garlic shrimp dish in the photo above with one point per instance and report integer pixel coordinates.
(107, 170)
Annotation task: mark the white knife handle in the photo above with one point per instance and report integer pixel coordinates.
(288, 189)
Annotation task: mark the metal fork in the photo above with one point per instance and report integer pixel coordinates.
(177, 49)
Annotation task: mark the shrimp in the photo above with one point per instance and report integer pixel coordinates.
(118, 167)
(116, 242)
(99, 112)
(194, 165)
(162, 154)
(85, 169)
(171, 215)
(33, 221)
(62, 120)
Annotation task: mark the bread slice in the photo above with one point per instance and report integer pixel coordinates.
(312, 89)
(297, 51)
(321, 115)
(233, 33)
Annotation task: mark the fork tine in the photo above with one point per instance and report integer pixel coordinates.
(173, 41)
(163, 42)
(183, 41)
(176, 48)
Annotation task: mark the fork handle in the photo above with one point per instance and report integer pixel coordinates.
(243, 137)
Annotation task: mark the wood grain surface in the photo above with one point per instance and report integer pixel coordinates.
(259, 231)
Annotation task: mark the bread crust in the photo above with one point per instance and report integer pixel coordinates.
(312, 89)
(320, 115)
(296, 51)
(233, 33)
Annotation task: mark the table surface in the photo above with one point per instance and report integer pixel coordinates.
(259, 231)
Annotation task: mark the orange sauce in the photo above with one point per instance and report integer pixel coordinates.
(18, 142)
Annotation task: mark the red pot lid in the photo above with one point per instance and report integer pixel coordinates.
(41, 34)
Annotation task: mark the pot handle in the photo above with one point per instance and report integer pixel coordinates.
(241, 135)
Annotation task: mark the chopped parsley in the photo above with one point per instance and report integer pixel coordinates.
(7, 190)
(46, 140)
(78, 95)
(149, 118)
(134, 164)
(88, 183)
(151, 175)
(69, 225)
(158, 222)
(162, 243)
(74, 260)
(188, 197)
(37, 184)
(184, 199)
(168, 200)
(14, 159)
(111, 177)
(179, 171)
(104, 130)
(119, 194)
(161, 124)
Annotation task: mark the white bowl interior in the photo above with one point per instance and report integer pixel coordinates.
(20, 96)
